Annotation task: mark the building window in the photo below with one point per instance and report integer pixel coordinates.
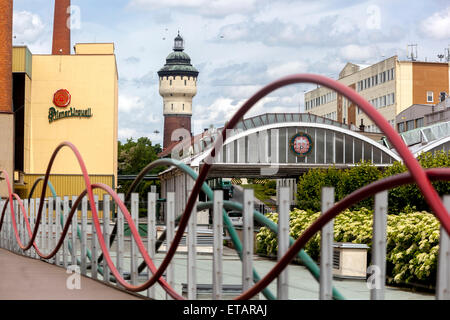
(172, 106)
(430, 96)
(170, 82)
(401, 127)
(409, 125)
(183, 106)
(419, 123)
(185, 82)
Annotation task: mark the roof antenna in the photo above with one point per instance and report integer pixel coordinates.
(412, 54)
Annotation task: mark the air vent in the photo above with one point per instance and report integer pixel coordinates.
(336, 259)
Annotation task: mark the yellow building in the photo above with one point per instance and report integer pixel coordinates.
(390, 85)
(66, 98)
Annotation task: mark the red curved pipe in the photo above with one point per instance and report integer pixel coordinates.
(411, 163)
(416, 171)
(89, 192)
(66, 228)
(356, 196)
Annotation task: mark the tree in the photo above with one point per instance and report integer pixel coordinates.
(133, 156)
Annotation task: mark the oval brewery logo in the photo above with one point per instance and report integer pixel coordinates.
(61, 98)
(301, 144)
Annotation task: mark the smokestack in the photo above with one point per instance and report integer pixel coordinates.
(6, 8)
(61, 27)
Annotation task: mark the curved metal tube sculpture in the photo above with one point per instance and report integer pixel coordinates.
(416, 173)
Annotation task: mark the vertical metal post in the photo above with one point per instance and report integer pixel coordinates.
(8, 242)
(83, 234)
(32, 224)
(43, 228)
(326, 248)
(283, 241)
(94, 240)
(65, 215)
(50, 228)
(106, 233)
(379, 246)
(120, 227)
(58, 229)
(192, 254)
(2, 232)
(16, 215)
(74, 233)
(443, 276)
(170, 233)
(218, 244)
(24, 229)
(151, 233)
(247, 259)
(134, 249)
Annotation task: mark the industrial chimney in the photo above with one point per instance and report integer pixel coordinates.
(61, 27)
(6, 56)
(6, 114)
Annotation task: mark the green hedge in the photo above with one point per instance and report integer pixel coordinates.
(412, 241)
(346, 181)
(409, 195)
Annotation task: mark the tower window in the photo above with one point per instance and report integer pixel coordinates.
(185, 82)
(183, 106)
(170, 82)
(172, 106)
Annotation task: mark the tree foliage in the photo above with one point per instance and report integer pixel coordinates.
(310, 185)
(405, 198)
(133, 156)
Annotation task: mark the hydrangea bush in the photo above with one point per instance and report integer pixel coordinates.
(412, 240)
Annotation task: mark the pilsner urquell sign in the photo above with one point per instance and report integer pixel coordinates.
(61, 99)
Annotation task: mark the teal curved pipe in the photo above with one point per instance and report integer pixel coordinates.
(61, 216)
(303, 256)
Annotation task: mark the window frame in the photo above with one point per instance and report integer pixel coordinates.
(432, 96)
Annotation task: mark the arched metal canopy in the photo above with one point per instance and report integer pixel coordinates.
(274, 150)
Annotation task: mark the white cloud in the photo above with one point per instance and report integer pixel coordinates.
(287, 68)
(438, 25)
(153, 118)
(128, 103)
(27, 27)
(125, 133)
(354, 52)
(204, 7)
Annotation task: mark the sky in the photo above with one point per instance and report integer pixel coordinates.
(238, 46)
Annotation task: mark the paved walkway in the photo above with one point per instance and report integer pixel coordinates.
(23, 278)
(302, 286)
